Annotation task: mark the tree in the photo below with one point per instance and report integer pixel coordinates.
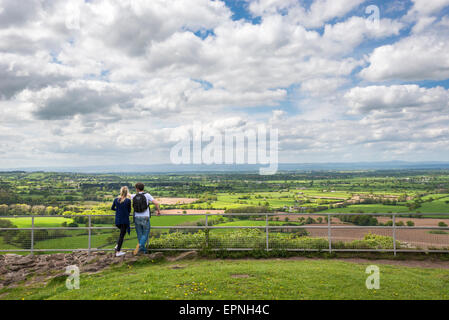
(4, 209)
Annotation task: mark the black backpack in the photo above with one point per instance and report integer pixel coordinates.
(140, 203)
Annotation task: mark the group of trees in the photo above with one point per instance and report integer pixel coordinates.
(359, 220)
(250, 209)
(25, 209)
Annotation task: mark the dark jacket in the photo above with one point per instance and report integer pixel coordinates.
(122, 212)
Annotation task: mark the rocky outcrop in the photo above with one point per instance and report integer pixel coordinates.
(16, 268)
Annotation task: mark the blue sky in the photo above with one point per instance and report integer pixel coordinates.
(110, 82)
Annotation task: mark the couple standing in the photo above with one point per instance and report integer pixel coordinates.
(140, 203)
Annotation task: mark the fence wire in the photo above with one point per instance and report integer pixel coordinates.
(292, 232)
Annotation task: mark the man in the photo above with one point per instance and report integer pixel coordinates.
(141, 202)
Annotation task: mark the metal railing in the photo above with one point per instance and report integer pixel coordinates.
(339, 236)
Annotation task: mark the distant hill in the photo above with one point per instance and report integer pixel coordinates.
(168, 168)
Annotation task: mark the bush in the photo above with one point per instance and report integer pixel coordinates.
(256, 239)
(359, 220)
(410, 223)
(442, 224)
(22, 238)
(6, 224)
(250, 209)
(310, 220)
(375, 241)
(8, 235)
(438, 232)
(53, 234)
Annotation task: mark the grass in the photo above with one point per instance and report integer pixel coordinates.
(173, 220)
(259, 279)
(436, 206)
(437, 232)
(41, 222)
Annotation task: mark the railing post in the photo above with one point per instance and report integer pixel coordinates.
(207, 231)
(266, 231)
(329, 234)
(90, 234)
(394, 234)
(32, 235)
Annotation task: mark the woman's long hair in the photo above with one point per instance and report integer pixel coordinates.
(124, 193)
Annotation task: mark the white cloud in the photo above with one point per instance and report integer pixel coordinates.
(425, 7)
(320, 11)
(397, 98)
(136, 70)
(424, 57)
(320, 87)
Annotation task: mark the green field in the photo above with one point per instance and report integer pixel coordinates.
(173, 220)
(40, 222)
(369, 208)
(246, 279)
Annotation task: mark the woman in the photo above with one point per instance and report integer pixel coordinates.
(122, 207)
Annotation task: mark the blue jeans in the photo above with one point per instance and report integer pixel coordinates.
(143, 231)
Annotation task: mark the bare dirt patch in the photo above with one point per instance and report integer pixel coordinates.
(176, 200)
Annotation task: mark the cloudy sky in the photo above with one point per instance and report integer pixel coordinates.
(109, 82)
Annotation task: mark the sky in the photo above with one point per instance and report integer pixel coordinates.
(121, 82)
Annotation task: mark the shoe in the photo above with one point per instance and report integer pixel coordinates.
(136, 250)
(116, 246)
(120, 253)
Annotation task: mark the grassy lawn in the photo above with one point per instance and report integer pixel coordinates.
(258, 279)
(39, 222)
(436, 206)
(173, 220)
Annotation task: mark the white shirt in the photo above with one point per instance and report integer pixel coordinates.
(147, 212)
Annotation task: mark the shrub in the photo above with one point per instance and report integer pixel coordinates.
(256, 239)
(359, 220)
(53, 234)
(379, 242)
(410, 223)
(8, 235)
(438, 232)
(310, 220)
(250, 209)
(442, 224)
